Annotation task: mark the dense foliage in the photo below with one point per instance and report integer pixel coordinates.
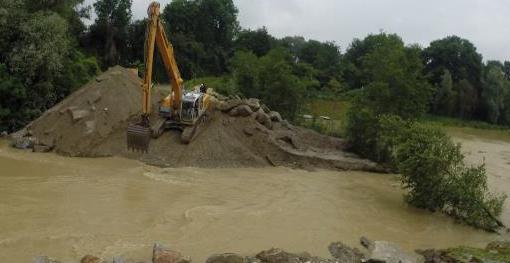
(463, 86)
(270, 78)
(40, 62)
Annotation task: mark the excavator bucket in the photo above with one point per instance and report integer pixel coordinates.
(138, 137)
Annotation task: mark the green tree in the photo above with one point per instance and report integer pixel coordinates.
(467, 99)
(202, 32)
(460, 57)
(394, 80)
(457, 55)
(245, 71)
(135, 44)
(445, 97)
(325, 57)
(269, 78)
(257, 41)
(40, 60)
(435, 175)
(294, 44)
(495, 89)
(71, 10)
(282, 90)
(307, 75)
(506, 69)
(12, 98)
(109, 32)
(358, 49)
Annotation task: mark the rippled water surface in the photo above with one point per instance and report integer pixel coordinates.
(69, 207)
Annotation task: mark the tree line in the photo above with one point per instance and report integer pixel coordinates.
(397, 90)
(46, 52)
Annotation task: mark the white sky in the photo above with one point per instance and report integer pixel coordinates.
(486, 23)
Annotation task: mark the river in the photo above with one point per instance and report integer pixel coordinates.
(69, 207)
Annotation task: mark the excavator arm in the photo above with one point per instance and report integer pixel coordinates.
(156, 36)
(139, 134)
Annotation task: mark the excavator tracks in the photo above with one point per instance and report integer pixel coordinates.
(189, 133)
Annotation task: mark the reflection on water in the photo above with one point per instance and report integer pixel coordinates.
(66, 208)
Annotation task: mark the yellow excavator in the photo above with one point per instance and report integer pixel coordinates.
(182, 110)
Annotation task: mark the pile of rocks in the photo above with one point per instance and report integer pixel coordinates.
(238, 107)
(375, 251)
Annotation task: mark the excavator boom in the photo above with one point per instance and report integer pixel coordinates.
(139, 134)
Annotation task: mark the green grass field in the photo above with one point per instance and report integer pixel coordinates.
(336, 110)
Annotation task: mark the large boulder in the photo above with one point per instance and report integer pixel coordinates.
(23, 143)
(432, 255)
(228, 105)
(387, 252)
(39, 148)
(263, 119)
(276, 255)
(344, 253)
(161, 254)
(44, 259)
(275, 116)
(91, 259)
(254, 104)
(241, 111)
(225, 258)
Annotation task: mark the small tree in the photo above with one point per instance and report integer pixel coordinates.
(394, 80)
(435, 175)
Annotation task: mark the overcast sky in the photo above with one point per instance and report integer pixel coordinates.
(485, 22)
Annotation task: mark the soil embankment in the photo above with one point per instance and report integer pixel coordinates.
(241, 133)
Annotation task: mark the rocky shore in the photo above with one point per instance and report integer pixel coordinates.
(371, 252)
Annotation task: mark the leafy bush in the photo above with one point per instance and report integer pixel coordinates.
(78, 70)
(361, 131)
(432, 168)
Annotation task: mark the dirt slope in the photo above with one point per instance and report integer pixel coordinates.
(92, 122)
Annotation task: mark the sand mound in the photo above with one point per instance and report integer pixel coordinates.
(89, 115)
(92, 122)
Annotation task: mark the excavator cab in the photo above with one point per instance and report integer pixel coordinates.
(192, 107)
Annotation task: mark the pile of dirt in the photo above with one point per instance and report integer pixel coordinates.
(238, 133)
(88, 116)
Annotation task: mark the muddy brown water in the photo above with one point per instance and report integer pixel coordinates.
(69, 207)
